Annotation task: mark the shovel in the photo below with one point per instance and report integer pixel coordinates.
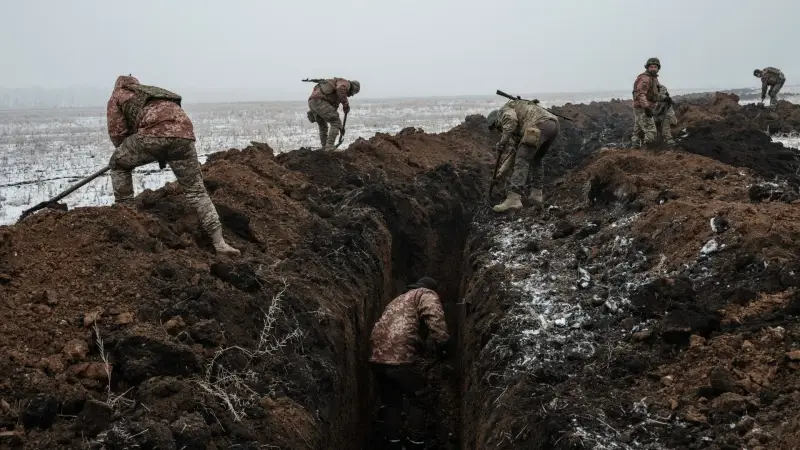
(341, 137)
(58, 197)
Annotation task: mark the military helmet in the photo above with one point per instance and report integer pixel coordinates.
(355, 87)
(492, 118)
(652, 61)
(757, 72)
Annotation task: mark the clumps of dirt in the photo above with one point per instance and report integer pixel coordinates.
(122, 328)
(584, 339)
(739, 135)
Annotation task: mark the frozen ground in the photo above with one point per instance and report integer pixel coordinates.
(43, 152)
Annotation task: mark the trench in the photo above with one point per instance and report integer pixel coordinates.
(434, 249)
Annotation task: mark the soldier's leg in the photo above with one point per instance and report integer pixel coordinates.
(313, 105)
(516, 182)
(182, 159)
(666, 131)
(773, 93)
(649, 127)
(132, 153)
(415, 387)
(549, 132)
(330, 115)
(391, 396)
(636, 142)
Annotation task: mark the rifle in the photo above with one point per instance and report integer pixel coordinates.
(58, 197)
(313, 80)
(536, 101)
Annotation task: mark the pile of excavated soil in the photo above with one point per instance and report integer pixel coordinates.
(264, 351)
(653, 305)
(589, 323)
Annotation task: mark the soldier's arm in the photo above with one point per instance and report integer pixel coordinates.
(642, 86)
(764, 85)
(117, 128)
(430, 311)
(508, 123)
(342, 87)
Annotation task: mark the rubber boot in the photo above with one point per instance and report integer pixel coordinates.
(512, 201)
(221, 246)
(536, 197)
(329, 144)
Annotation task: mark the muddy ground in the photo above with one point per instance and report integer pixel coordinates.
(597, 322)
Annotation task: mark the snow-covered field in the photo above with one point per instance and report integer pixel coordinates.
(43, 152)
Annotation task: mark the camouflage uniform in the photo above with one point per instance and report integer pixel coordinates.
(645, 98)
(323, 104)
(528, 132)
(664, 115)
(396, 346)
(773, 79)
(147, 124)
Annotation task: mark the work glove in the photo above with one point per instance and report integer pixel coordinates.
(346, 108)
(648, 112)
(162, 164)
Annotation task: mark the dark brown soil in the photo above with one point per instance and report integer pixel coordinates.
(601, 322)
(269, 350)
(335, 235)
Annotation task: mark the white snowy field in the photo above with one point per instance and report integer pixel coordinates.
(43, 152)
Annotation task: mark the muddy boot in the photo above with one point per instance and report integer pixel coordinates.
(332, 135)
(512, 201)
(221, 246)
(536, 197)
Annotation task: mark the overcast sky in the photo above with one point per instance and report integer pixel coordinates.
(261, 49)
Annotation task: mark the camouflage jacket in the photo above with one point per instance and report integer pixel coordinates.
(333, 91)
(157, 118)
(396, 337)
(645, 91)
(770, 76)
(516, 116)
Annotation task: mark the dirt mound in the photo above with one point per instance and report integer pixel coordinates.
(121, 328)
(581, 318)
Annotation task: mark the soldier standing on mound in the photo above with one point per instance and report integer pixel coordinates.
(323, 104)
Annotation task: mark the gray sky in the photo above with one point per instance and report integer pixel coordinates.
(260, 49)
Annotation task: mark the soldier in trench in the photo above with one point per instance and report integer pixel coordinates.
(528, 133)
(323, 104)
(397, 345)
(147, 124)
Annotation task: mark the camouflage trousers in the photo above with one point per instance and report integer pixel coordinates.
(181, 156)
(525, 163)
(773, 92)
(642, 124)
(664, 125)
(395, 383)
(325, 114)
